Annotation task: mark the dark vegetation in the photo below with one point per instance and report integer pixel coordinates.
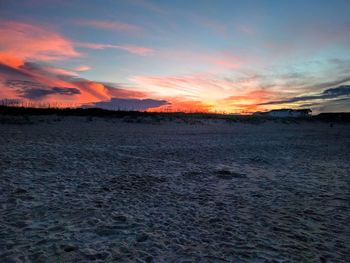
(23, 114)
(334, 116)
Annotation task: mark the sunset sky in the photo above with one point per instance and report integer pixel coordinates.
(207, 55)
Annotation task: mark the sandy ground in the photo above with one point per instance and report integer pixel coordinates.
(75, 190)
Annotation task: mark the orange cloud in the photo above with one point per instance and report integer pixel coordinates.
(256, 96)
(181, 105)
(192, 93)
(247, 102)
(206, 93)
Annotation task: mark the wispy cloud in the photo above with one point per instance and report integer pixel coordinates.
(109, 25)
(327, 94)
(312, 38)
(328, 84)
(215, 93)
(82, 68)
(137, 50)
(196, 86)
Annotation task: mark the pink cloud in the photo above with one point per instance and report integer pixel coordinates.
(82, 68)
(137, 50)
(109, 25)
(45, 69)
(46, 84)
(34, 80)
(59, 71)
(189, 93)
(21, 41)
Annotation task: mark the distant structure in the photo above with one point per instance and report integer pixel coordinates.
(285, 113)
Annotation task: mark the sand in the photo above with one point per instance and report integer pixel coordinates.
(80, 190)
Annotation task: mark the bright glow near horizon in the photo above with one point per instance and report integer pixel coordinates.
(210, 56)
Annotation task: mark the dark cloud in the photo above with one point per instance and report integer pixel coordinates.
(338, 91)
(39, 93)
(13, 72)
(31, 66)
(338, 105)
(329, 84)
(128, 104)
(34, 90)
(331, 93)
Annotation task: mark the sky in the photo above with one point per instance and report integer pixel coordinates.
(220, 56)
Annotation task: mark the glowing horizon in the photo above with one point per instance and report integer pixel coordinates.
(222, 56)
